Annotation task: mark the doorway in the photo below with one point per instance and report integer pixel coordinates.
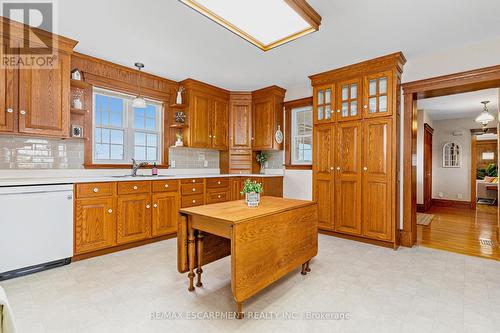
(413, 91)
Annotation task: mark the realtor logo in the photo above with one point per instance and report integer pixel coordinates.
(30, 42)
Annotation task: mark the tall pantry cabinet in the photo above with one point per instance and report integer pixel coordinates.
(356, 157)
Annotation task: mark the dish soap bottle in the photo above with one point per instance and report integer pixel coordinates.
(154, 171)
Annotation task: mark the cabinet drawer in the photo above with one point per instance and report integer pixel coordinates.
(192, 200)
(134, 187)
(192, 181)
(187, 189)
(217, 182)
(214, 197)
(92, 190)
(165, 186)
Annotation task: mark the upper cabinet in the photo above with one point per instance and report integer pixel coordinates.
(240, 121)
(267, 118)
(360, 91)
(34, 100)
(207, 116)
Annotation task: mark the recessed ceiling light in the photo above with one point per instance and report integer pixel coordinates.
(264, 23)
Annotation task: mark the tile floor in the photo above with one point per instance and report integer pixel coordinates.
(410, 290)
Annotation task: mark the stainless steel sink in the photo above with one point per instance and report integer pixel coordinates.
(142, 176)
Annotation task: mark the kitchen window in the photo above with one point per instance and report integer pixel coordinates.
(298, 133)
(122, 132)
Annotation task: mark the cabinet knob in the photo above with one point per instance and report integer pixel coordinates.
(338, 111)
(194, 190)
(166, 185)
(148, 206)
(135, 187)
(194, 201)
(110, 211)
(213, 137)
(95, 190)
(209, 136)
(365, 168)
(252, 139)
(10, 110)
(22, 112)
(218, 196)
(331, 168)
(365, 106)
(194, 180)
(338, 168)
(155, 206)
(218, 183)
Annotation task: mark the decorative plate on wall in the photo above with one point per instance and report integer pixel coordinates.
(278, 136)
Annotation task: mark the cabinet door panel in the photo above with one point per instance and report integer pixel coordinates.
(263, 120)
(7, 102)
(220, 125)
(348, 178)
(241, 125)
(324, 196)
(378, 95)
(134, 218)
(377, 182)
(44, 99)
(324, 104)
(94, 224)
(199, 126)
(165, 213)
(323, 147)
(349, 99)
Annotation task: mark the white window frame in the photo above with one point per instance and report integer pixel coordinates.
(293, 125)
(128, 128)
(447, 157)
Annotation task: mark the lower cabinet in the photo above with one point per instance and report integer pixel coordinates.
(133, 218)
(95, 226)
(165, 213)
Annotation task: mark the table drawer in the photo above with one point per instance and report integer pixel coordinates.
(217, 182)
(190, 189)
(214, 197)
(192, 181)
(93, 190)
(192, 200)
(134, 187)
(165, 185)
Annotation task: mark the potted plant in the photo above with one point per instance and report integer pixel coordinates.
(262, 158)
(252, 191)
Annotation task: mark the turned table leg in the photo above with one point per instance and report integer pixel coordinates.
(307, 266)
(303, 271)
(239, 310)
(191, 255)
(199, 249)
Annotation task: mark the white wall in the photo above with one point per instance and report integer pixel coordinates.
(466, 57)
(422, 118)
(297, 184)
(452, 183)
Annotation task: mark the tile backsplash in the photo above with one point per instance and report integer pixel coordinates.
(275, 159)
(193, 158)
(37, 153)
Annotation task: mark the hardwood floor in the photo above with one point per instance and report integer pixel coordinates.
(462, 230)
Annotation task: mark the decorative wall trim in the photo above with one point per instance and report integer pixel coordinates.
(451, 203)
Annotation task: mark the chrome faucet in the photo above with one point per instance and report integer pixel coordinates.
(136, 166)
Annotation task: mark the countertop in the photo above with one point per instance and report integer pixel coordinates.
(94, 179)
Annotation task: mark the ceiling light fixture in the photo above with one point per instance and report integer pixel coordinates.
(264, 23)
(485, 117)
(139, 102)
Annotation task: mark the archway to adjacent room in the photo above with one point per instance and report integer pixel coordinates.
(464, 82)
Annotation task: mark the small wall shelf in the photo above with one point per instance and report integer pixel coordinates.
(79, 111)
(178, 106)
(178, 126)
(79, 84)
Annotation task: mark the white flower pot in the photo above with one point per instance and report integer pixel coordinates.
(252, 199)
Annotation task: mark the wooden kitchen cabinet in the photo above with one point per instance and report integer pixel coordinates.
(240, 121)
(267, 118)
(165, 213)
(133, 218)
(323, 174)
(8, 102)
(324, 103)
(377, 171)
(349, 99)
(207, 116)
(95, 224)
(378, 94)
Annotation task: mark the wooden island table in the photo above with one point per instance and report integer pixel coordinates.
(265, 242)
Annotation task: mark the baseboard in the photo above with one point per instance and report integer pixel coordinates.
(451, 203)
(420, 208)
(391, 245)
(122, 247)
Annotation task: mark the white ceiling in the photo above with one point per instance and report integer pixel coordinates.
(458, 106)
(177, 42)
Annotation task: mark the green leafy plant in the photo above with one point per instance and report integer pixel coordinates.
(251, 187)
(491, 171)
(262, 157)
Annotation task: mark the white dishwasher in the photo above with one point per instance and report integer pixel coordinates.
(36, 228)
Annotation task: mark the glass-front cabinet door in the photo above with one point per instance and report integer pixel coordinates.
(324, 104)
(349, 100)
(378, 95)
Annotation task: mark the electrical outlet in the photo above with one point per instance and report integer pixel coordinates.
(440, 194)
(205, 164)
(172, 164)
(460, 196)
